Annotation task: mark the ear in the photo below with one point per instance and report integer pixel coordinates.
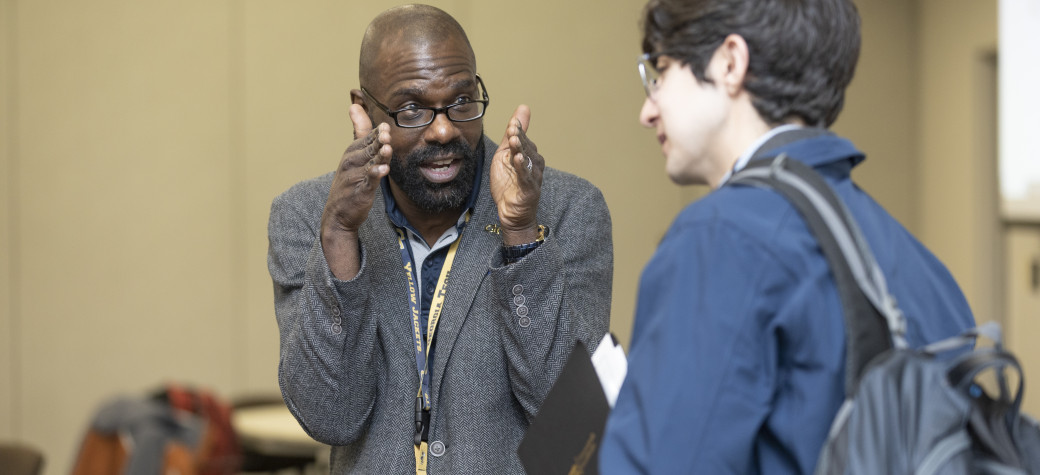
(732, 64)
(356, 97)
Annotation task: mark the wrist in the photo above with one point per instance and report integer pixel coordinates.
(342, 251)
(520, 235)
(513, 253)
(335, 235)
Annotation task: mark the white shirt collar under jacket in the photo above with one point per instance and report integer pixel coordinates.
(745, 157)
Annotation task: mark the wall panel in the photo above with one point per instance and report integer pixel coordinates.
(880, 113)
(295, 126)
(955, 37)
(9, 343)
(1022, 275)
(123, 207)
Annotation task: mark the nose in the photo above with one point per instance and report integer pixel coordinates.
(649, 114)
(441, 130)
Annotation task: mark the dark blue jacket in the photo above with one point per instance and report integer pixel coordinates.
(736, 363)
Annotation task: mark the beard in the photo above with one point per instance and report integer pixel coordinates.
(437, 197)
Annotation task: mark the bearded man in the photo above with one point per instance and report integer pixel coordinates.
(429, 290)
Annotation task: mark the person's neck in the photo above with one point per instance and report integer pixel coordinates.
(734, 141)
(429, 225)
(743, 129)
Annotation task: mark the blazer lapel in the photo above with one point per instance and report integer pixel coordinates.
(383, 260)
(472, 263)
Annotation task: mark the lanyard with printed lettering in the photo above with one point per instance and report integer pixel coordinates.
(422, 348)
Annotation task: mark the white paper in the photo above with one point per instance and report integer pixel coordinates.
(611, 366)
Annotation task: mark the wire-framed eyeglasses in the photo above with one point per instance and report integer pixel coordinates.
(418, 116)
(649, 74)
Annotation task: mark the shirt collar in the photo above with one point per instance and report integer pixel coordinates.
(745, 157)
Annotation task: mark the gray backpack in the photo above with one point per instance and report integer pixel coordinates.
(907, 411)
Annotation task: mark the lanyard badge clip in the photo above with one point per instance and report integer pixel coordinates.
(418, 420)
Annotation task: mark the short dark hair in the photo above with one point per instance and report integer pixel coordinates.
(803, 53)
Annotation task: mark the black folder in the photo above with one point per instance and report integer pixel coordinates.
(565, 436)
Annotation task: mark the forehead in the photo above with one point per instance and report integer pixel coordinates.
(411, 66)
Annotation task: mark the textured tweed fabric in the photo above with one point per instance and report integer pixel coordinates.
(347, 363)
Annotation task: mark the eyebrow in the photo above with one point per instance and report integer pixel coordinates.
(419, 92)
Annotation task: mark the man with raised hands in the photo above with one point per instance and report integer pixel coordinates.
(429, 290)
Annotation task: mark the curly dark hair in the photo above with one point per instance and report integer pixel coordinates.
(803, 53)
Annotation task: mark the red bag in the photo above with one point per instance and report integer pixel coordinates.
(219, 453)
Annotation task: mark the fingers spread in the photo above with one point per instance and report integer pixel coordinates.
(372, 141)
(384, 152)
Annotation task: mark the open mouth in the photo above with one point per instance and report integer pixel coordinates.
(441, 171)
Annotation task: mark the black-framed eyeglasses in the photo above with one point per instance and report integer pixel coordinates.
(649, 74)
(416, 116)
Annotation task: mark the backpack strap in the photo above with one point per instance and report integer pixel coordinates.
(992, 421)
(873, 321)
(964, 368)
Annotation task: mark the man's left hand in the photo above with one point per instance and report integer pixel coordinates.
(516, 181)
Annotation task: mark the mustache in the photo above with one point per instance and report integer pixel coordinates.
(439, 151)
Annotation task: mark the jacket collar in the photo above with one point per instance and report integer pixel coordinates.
(816, 147)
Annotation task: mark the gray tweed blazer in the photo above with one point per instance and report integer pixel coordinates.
(347, 367)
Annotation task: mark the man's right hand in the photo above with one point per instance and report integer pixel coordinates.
(354, 185)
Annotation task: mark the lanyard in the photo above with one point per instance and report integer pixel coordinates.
(422, 348)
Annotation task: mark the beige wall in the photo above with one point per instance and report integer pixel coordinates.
(8, 342)
(122, 219)
(1022, 242)
(956, 155)
(142, 142)
(880, 114)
